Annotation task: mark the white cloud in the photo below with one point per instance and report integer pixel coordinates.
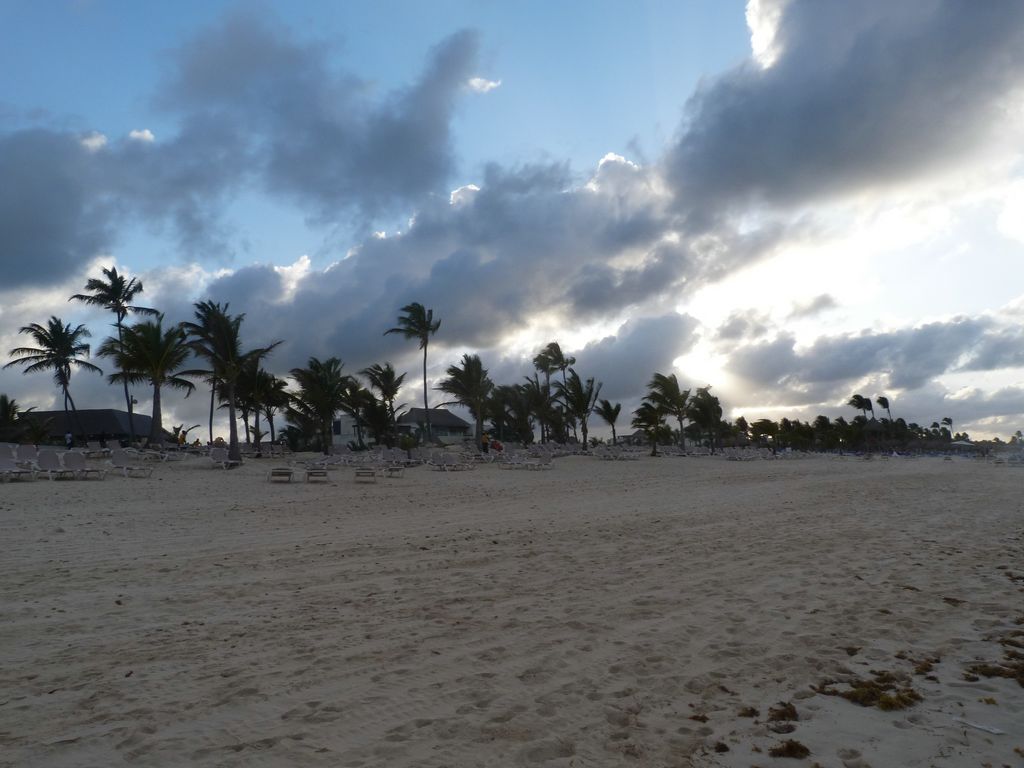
(94, 141)
(145, 136)
(463, 194)
(763, 18)
(482, 85)
(1011, 219)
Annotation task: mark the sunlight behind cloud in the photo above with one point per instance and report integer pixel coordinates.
(763, 18)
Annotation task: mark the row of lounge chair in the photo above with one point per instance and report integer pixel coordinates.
(29, 463)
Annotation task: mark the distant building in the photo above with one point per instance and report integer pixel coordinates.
(343, 431)
(111, 423)
(445, 426)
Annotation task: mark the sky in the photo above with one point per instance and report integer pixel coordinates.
(791, 201)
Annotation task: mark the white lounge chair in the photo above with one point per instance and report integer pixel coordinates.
(75, 462)
(121, 460)
(9, 470)
(219, 458)
(49, 463)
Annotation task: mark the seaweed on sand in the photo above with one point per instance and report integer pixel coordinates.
(887, 691)
(784, 711)
(790, 748)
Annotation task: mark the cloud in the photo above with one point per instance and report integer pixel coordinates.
(906, 358)
(857, 96)
(482, 85)
(812, 307)
(320, 137)
(51, 218)
(743, 325)
(144, 135)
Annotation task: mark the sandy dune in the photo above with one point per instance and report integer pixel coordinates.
(600, 614)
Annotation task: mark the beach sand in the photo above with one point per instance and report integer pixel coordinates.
(599, 614)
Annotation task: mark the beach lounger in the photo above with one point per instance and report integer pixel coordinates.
(121, 460)
(49, 462)
(75, 462)
(280, 473)
(219, 459)
(366, 475)
(9, 470)
(316, 473)
(25, 456)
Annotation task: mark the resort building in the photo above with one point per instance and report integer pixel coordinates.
(445, 426)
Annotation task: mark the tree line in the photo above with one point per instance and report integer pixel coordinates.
(554, 400)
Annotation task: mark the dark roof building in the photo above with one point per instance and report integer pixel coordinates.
(93, 422)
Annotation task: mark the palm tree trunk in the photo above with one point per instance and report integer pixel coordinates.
(583, 429)
(234, 451)
(256, 429)
(127, 394)
(213, 399)
(614, 438)
(426, 408)
(157, 428)
(74, 413)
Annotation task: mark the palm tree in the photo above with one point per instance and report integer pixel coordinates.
(540, 404)
(384, 379)
(215, 337)
(115, 294)
(11, 417)
(883, 402)
(418, 323)
(470, 387)
(321, 394)
(948, 424)
(651, 420)
(861, 403)
(706, 411)
(60, 348)
(275, 399)
(145, 352)
(580, 398)
(609, 414)
(666, 394)
(547, 361)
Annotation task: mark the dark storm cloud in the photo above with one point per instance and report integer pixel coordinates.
(626, 360)
(50, 219)
(321, 137)
(863, 94)
(908, 358)
(528, 246)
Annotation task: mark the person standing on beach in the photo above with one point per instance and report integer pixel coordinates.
(69, 440)
(485, 442)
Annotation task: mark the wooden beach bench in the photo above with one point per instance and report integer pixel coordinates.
(280, 473)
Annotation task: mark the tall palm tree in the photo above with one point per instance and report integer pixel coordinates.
(540, 403)
(650, 419)
(215, 337)
(883, 402)
(386, 382)
(547, 361)
(115, 294)
(665, 393)
(580, 398)
(609, 414)
(470, 386)
(947, 422)
(146, 352)
(706, 412)
(418, 323)
(59, 349)
(321, 393)
(275, 399)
